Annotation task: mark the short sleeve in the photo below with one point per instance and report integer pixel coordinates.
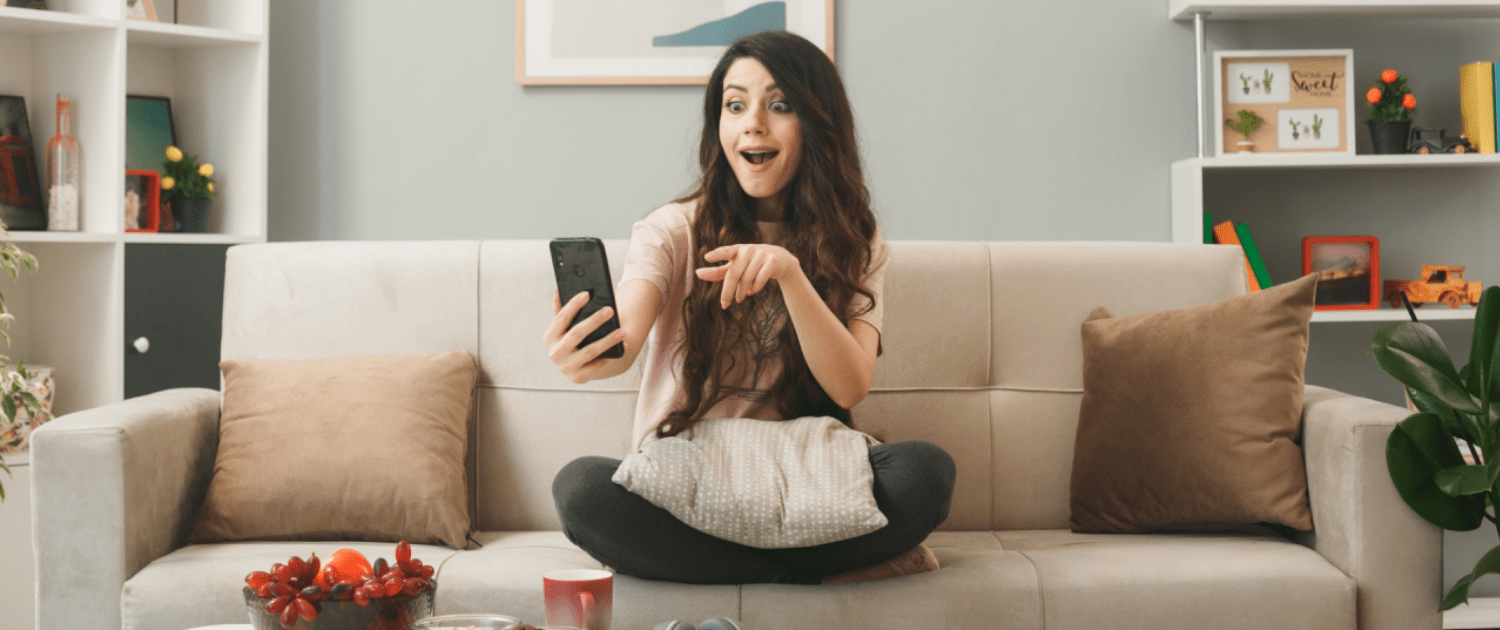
(649, 256)
(874, 282)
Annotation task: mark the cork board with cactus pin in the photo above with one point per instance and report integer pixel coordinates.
(1283, 101)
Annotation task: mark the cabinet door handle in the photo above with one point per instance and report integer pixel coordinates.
(142, 345)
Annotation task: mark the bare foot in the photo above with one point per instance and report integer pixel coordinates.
(918, 559)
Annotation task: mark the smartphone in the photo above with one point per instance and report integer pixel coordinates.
(580, 266)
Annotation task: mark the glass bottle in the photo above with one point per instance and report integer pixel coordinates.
(62, 171)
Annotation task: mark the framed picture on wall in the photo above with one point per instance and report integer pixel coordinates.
(1348, 269)
(592, 42)
(21, 204)
(141, 10)
(1302, 97)
(142, 200)
(148, 133)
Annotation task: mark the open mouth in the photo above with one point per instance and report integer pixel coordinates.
(758, 157)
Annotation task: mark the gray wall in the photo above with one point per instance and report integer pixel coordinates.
(980, 120)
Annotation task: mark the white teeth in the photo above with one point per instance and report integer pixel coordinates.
(758, 157)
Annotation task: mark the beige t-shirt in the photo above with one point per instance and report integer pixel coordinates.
(661, 252)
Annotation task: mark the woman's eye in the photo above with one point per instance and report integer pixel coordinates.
(734, 107)
(781, 106)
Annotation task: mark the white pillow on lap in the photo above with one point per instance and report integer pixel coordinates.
(763, 484)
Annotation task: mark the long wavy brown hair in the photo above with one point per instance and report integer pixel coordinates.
(828, 227)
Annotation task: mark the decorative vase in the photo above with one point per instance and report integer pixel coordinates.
(15, 433)
(191, 215)
(1390, 137)
(62, 171)
(1245, 146)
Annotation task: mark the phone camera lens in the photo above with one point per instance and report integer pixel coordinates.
(578, 270)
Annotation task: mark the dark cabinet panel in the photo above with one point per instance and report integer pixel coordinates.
(174, 298)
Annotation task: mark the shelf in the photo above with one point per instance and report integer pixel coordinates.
(1183, 10)
(32, 21)
(39, 236)
(184, 36)
(180, 238)
(1433, 312)
(1480, 612)
(16, 460)
(1307, 160)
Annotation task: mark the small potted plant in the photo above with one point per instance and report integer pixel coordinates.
(190, 187)
(1391, 104)
(1248, 122)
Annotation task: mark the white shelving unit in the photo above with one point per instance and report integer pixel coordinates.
(212, 64)
(1188, 175)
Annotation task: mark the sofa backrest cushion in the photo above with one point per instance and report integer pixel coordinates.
(982, 351)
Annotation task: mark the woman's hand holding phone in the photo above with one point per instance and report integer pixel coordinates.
(578, 364)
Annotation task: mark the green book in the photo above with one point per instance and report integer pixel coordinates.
(1208, 228)
(1252, 253)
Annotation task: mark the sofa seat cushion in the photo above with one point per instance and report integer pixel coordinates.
(981, 585)
(199, 585)
(1184, 580)
(505, 576)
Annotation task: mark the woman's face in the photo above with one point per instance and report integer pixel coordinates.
(761, 136)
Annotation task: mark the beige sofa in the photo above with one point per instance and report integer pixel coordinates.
(982, 356)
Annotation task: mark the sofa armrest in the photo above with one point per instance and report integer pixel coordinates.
(1360, 523)
(114, 488)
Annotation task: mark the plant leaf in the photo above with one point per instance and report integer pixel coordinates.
(1459, 594)
(1428, 404)
(1482, 348)
(1417, 449)
(1414, 354)
(1457, 481)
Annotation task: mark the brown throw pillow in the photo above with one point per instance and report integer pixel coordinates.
(1190, 417)
(367, 447)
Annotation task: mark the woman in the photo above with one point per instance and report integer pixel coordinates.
(763, 288)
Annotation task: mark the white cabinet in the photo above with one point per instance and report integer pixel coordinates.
(212, 64)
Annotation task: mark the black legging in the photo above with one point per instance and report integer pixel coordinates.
(913, 487)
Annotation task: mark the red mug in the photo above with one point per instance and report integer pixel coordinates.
(581, 598)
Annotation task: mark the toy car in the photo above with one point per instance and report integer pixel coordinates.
(1421, 142)
(1439, 283)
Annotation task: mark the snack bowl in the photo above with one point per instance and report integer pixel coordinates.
(464, 622)
(387, 613)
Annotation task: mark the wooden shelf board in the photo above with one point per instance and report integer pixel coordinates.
(1183, 10)
(32, 21)
(183, 36)
(1431, 312)
(1480, 612)
(1308, 160)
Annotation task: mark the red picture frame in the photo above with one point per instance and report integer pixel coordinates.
(143, 210)
(1348, 269)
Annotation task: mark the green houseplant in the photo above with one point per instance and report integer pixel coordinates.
(13, 394)
(1425, 462)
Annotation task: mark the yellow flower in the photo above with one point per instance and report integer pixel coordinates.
(206, 170)
(167, 183)
(174, 154)
(210, 187)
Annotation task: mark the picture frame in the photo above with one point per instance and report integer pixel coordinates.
(142, 200)
(607, 42)
(140, 10)
(149, 130)
(1348, 269)
(1304, 97)
(23, 203)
